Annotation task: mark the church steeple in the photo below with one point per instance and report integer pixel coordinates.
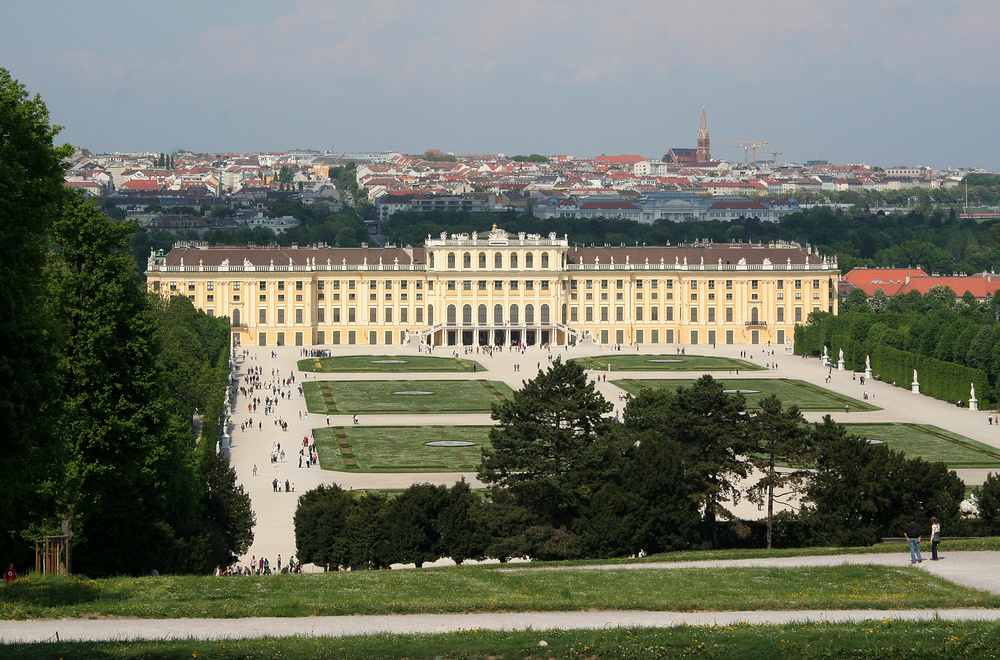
(704, 144)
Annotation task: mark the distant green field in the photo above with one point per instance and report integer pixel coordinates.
(805, 395)
(930, 443)
(401, 448)
(621, 361)
(405, 396)
(387, 364)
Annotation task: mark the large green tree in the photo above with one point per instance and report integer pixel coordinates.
(710, 426)
(130, 481)
(548, 440)
(861, 491)
(667, 511)
(777, 435)
(31, 192)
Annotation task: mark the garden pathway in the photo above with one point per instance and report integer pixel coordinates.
(969, 568)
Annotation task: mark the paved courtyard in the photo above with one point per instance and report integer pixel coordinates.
(275, 533)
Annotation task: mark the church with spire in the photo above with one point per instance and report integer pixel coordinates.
(701, 156)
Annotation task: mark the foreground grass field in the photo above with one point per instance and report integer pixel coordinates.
(489, 589)
(863, 640)
(805, 395)
(387, 364)
(400, 448)
(404, 396)
(930, 443)
(621, 361)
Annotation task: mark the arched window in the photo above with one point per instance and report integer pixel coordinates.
(564, 313)
(432, 260)
(482, 260)
(754, 315)
(236, 316)
(430, 314)
(451, 315)
(529, 260)
(514, 315)
(498, 314)
(529, 314)
(545, 259)
(498, 260)
(513, 260)
(545, 314)
(467, 260)
(451, 260)
(482, 315)
(467, 315)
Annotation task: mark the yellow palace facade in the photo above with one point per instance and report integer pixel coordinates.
(500, 289)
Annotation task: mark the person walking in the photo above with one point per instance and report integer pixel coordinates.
(913, 535)
(935, 537)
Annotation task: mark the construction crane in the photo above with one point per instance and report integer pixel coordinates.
(773, 153)
(747, 145)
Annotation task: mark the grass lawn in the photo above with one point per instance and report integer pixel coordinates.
(387, 364)
(805, 395)
(489, 589)
(378, 396)
(621, 361)
(400, 448)
(862, 641)
(931, 443)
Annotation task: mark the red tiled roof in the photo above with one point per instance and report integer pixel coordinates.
(977, 285)
(888, 279)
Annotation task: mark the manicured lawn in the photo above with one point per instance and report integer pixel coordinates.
(864, 640)
(401, 448)
(624, 361)
(931, 443)
(805, 395)
(387, 364)
(489, 589)
(381, 396)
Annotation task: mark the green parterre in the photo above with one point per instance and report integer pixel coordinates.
(930, 443)
(404, 396)
(806, 396)
(401, 448)
(619, 361)
(388, 364)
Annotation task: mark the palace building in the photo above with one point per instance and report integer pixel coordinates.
(500, 289)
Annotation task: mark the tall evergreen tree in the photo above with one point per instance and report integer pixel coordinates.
(547, 438)
(776, 434)
(710, 426)
(667, 511)
(31, 190)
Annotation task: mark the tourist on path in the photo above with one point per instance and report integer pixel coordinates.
(913, 534)
(935, 537)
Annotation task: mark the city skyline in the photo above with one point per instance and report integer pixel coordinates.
(886, 83)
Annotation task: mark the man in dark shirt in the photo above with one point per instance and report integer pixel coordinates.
(912, 534)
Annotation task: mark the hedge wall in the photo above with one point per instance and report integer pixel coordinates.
(942, 380)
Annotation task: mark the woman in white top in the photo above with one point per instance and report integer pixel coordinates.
(935, 537)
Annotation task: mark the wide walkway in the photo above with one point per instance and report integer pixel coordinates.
(968, 568)
(275, 535)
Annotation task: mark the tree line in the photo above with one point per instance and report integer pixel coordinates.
(933, 238)
(567, 481)
(102, 382)
(952, 341)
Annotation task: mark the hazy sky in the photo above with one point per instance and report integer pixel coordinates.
(887, 82)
